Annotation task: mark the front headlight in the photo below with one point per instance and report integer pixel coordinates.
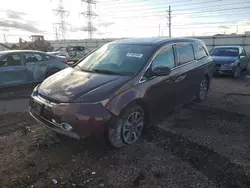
(35, 91)
(232, 63)
(84, 99)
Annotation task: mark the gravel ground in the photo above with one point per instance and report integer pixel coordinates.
(199, 145)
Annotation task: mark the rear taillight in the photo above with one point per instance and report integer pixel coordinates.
(64, 61)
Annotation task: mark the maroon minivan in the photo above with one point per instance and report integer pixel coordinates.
(119, 88)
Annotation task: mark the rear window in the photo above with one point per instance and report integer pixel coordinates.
(224, 51)
(185, 53)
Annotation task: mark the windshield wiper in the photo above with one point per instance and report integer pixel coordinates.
(106, 71)
(85, 70)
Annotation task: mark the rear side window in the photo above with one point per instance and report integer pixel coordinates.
(199, 51)
(185, 53)
(33, 57)
(164, 58)
(11, 60)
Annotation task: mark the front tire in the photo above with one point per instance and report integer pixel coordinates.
(127, 129)
(237, 72)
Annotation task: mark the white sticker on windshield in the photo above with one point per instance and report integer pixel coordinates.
(134, 55)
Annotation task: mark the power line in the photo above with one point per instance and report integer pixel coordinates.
(62, 14)
(114, 3)
(202, 12)
(159, 16)
(177, 10)
(151, 8)
(90, 15)
(220, 14)
(215, 10)
(155, 27)
(146, 12)
(162, 4)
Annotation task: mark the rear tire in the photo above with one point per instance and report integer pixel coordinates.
(127, 129)
(203, 89)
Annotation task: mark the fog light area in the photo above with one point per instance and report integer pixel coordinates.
(66, 127)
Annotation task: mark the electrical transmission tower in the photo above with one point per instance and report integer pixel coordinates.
(62, 24)
(90, 15)
(169, 17)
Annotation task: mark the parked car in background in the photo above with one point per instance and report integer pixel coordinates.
(119, 88)
(28, 66)
(229, 60)
(72, 53)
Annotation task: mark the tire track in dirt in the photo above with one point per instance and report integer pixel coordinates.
(13, 121)
(214, 166)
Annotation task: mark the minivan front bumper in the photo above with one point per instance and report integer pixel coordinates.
(85, 119)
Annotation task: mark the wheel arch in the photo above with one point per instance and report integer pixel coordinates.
(143, 104)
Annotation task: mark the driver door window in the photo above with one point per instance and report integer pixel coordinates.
(164, 58)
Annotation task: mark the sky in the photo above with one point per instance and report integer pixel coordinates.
(124, 18)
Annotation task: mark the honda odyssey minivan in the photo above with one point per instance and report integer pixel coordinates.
(119, 88)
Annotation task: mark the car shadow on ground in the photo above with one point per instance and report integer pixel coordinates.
(17, 92)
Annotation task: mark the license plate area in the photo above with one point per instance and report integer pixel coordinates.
(218, 67)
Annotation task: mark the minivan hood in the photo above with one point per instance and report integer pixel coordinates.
(71, 84)
(224, 59)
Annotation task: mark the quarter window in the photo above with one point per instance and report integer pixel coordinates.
(185, 53)
(199, 51)
(11, 60)
(164, 58)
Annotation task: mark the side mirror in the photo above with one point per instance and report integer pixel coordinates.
(161, 71)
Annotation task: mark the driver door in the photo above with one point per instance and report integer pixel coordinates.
(162, 91)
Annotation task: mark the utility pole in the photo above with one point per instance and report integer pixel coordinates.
(159, 32)
(62, 25)
(4, 38)
(56, 34)
(169, 17)
(90, 15)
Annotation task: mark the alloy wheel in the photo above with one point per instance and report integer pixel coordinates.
(237, 71)
(203, 88)
(133, 127)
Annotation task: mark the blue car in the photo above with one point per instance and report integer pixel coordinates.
(28, 66)
(229, 60)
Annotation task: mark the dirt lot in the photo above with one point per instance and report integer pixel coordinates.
(199, 145)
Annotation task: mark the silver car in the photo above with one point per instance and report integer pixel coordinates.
(28, 66)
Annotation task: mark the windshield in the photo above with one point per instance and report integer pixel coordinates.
(224, 52)
(117, 59)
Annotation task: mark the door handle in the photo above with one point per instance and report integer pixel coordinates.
(180, 78)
